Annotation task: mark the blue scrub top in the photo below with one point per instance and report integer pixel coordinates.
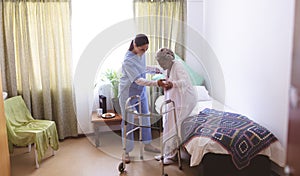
(133, 67)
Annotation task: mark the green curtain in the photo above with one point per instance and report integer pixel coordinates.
(163, 21)
(36, 61)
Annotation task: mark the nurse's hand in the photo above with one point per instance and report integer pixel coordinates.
(158, 71)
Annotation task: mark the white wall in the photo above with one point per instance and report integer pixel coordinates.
(253, 41)
(89, 19)
(195, 10)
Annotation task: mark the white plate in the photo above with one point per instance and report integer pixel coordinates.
(108, 115)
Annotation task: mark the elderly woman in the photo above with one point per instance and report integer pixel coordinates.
(179, 89)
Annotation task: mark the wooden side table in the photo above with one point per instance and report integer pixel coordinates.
(99, 121)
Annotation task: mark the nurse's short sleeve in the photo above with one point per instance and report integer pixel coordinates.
(131, 71)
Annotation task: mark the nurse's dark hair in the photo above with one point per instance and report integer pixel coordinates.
(139, 40)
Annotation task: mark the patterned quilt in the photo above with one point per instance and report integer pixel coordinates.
(240, 136)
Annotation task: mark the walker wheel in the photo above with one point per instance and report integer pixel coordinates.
(121, 167)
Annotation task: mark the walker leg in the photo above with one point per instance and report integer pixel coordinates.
(179, 158)
(162, 157)
(141, 144)
(122, 165)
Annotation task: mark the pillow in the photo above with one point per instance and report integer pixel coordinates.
(197, 79)
(202, 93)
(158, 102)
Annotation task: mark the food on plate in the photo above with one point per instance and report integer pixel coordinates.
(108, 115)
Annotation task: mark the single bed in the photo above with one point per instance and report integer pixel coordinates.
(226, 142)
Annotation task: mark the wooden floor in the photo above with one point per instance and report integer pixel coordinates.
(80, 157)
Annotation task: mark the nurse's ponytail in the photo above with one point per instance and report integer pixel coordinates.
(140, 40)
(131, 46)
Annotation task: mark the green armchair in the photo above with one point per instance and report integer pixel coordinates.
(24, 130)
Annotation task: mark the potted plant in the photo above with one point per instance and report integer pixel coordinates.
(114, 78)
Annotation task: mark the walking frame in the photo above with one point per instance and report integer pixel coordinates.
(132, 109)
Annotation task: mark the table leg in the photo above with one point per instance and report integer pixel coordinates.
(97, 135)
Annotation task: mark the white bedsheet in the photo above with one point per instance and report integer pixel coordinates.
(197, 147)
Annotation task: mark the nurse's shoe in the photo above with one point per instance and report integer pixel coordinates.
(127, 158)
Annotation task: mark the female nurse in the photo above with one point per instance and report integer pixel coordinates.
(133, 82)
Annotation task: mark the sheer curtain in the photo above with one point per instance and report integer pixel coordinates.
(37, 59)
(163, 22)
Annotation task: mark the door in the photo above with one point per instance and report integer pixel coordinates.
(293, 152)
(4, 157)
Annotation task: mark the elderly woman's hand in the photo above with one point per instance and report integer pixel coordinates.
(169, 85)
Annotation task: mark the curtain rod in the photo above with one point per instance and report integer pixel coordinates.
(36, 0)
(158, 0)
